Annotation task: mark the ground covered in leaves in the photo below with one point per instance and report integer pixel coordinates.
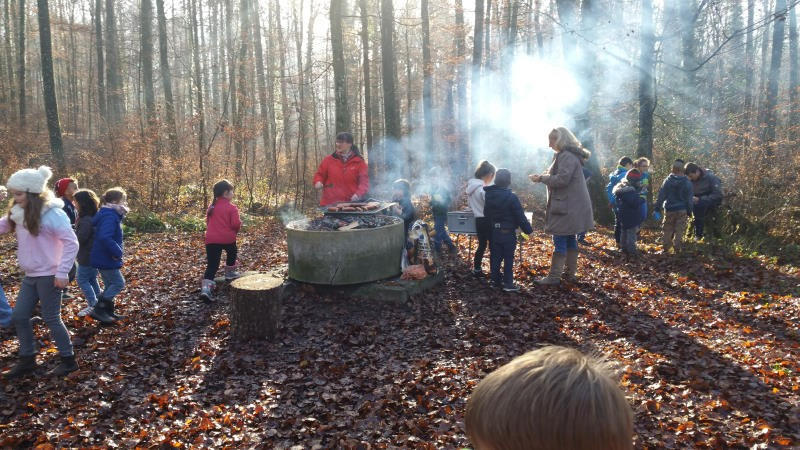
(706, 344)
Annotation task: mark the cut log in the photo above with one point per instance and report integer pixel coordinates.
(255, 306)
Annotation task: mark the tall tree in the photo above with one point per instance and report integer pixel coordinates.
(461, 89)
(770, 113)
(391, 110)
(166, 78)
(262, 86)
(477, 57)
(146, 57)
(794, 77)
(567, 14)
(202, 151)
(367, 94)
(241, 95)
(427, 83)
(9, 52)
(21, 62)
(116, 108)
(49, 85)
(101, 76)
(646, 82)
(339, 79)
(749, 55)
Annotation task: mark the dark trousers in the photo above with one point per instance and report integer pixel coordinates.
(483, 226)
(701, 210)
(503, 245)
(617, 227)
(214, 254)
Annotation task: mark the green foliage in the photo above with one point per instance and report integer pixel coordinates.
(143, 222)
(185, 222)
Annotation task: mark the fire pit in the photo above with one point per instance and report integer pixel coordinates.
(345, 250)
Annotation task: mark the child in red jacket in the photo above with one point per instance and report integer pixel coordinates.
(222, 225)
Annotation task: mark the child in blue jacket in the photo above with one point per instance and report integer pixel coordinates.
(625, 164)
(106, 254)
(628, 203)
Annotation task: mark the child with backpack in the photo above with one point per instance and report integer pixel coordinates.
(623, 166)
(107, 251)
(675, 197)
(46, 251)
(222, 225)
(629, 203)
(505, 214)
(86, 205)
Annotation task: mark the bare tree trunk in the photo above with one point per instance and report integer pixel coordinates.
(262, 83)
(391, 115)
(567, 15)
(749, 69)
(339, 79)
(48, 86)
(11, 98)
(770, 113)
(241, 95)
(282, 68)
(427, 71)
(487, 45)
(794, 78)
(367, 94)
(146, 57)
(21, 62)
(308, 83)
(271, 104)
(461, 89)
(166, 79)
(646, 82)
(202, 151)
(537, 26)
(409, 81)
(116, 107)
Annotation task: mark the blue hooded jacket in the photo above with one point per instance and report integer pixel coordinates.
(613, 181)
(675, 194)
(107, 247)
(628, 204)
(503, 207)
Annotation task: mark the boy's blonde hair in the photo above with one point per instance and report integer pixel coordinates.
(642, 161)
(550, 398)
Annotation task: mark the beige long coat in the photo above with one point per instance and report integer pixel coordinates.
(569, 208)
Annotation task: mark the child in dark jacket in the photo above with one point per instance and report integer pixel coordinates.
(107, 250)
(675, 197)
(222, 225)
(625, 164)
(505, 215)
(440, 204)
(401, 193)
(628, 208)
(87, 203)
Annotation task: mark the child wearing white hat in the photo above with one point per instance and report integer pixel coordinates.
(46, 250)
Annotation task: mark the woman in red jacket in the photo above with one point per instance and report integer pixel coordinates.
(342, 176)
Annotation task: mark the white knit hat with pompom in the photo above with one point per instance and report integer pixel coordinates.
(30, 180)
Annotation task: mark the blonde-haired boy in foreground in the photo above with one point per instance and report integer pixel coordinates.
(550, 398)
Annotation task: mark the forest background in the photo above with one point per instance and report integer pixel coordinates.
(166, 97)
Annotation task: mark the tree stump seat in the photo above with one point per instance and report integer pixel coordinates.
(255, 306)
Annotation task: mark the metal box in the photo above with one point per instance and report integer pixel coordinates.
(461, 222)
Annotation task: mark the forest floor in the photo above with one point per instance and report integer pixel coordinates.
(706, 344)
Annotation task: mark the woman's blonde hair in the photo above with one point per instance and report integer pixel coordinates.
(565, 138)
(33, 211)
(550, 398)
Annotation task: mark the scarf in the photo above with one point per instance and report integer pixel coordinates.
(119, 209)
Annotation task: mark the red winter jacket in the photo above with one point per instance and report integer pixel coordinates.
(223, 223)
(340, 179)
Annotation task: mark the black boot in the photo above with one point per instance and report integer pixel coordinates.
(66, 366)
(110, 310)
(100, 312)
(25, 366)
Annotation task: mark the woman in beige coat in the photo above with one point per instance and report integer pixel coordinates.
(569, 208)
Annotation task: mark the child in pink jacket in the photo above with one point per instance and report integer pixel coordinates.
(222, 225)
(47, 247)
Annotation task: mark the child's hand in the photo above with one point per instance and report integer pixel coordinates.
(524, 236)
(61, 283)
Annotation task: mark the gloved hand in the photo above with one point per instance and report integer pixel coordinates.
(524, 236)
(657, 216)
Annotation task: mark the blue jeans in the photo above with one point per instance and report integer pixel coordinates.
(564, 243)
(113, 282)
(701, 210)
(502, 247)
(441, 235)
(5, 310)
(87, 281)
(617, 226)
(40, 290)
